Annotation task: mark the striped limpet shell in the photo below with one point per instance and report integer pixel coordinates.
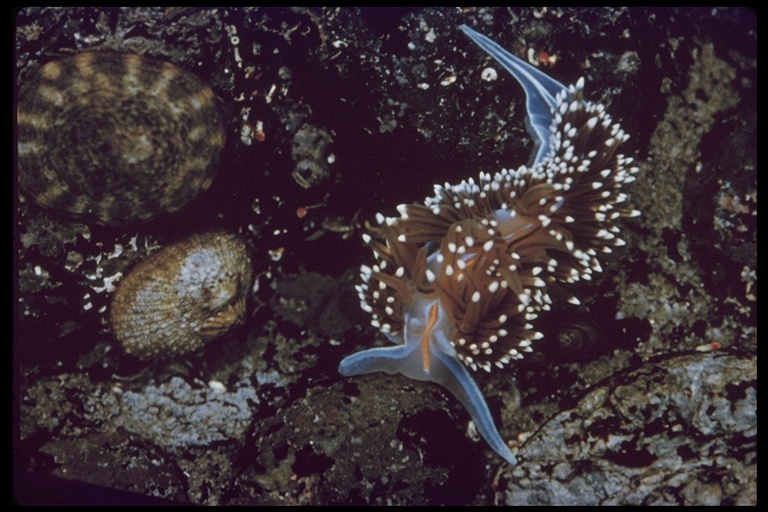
(183, 296)
(116, 138)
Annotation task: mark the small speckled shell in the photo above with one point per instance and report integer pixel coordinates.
(116, 138)
(183, 296)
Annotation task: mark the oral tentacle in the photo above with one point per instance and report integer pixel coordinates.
(453, 375)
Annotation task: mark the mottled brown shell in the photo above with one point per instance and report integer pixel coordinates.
(116, 138)
(183, 296)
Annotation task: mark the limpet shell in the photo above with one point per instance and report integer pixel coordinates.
(183, 296)
(116, 138)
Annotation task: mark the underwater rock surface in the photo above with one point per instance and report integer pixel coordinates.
(332, 115)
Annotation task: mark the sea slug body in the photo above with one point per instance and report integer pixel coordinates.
(183, 296)
(458, 279)
(116, 138)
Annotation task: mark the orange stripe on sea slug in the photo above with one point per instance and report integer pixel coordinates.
(425, 338)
